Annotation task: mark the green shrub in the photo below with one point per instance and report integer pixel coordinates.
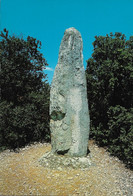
(121, 133)
(24, 106)
(21, 125)
(109, 74)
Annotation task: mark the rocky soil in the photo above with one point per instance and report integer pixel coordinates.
(21, 174)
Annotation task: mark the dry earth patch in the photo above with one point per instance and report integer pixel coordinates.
(21, 174)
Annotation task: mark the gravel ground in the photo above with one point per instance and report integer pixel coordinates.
(21, 174)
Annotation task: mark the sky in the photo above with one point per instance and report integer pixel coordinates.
(46, 20)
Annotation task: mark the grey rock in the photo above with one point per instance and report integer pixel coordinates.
(69, 123)
(54, 161)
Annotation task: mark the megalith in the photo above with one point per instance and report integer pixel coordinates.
(69, 115)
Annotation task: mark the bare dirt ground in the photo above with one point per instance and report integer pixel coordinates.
(21, 174)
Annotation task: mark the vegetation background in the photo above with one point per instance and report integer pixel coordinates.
(110, 94)
(24, 107)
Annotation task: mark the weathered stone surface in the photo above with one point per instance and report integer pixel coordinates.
(69, 122)
(59, 162)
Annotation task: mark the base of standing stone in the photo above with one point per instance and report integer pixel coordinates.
(53, 161)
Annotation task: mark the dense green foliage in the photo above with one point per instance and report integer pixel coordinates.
(24, 106)
(109, 81)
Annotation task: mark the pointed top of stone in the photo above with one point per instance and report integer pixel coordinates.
(72, 30)
(71, 47)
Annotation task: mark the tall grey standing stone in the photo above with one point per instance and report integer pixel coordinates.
(69, 123)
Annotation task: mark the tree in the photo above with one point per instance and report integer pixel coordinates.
(109, 75)
(24, 91)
